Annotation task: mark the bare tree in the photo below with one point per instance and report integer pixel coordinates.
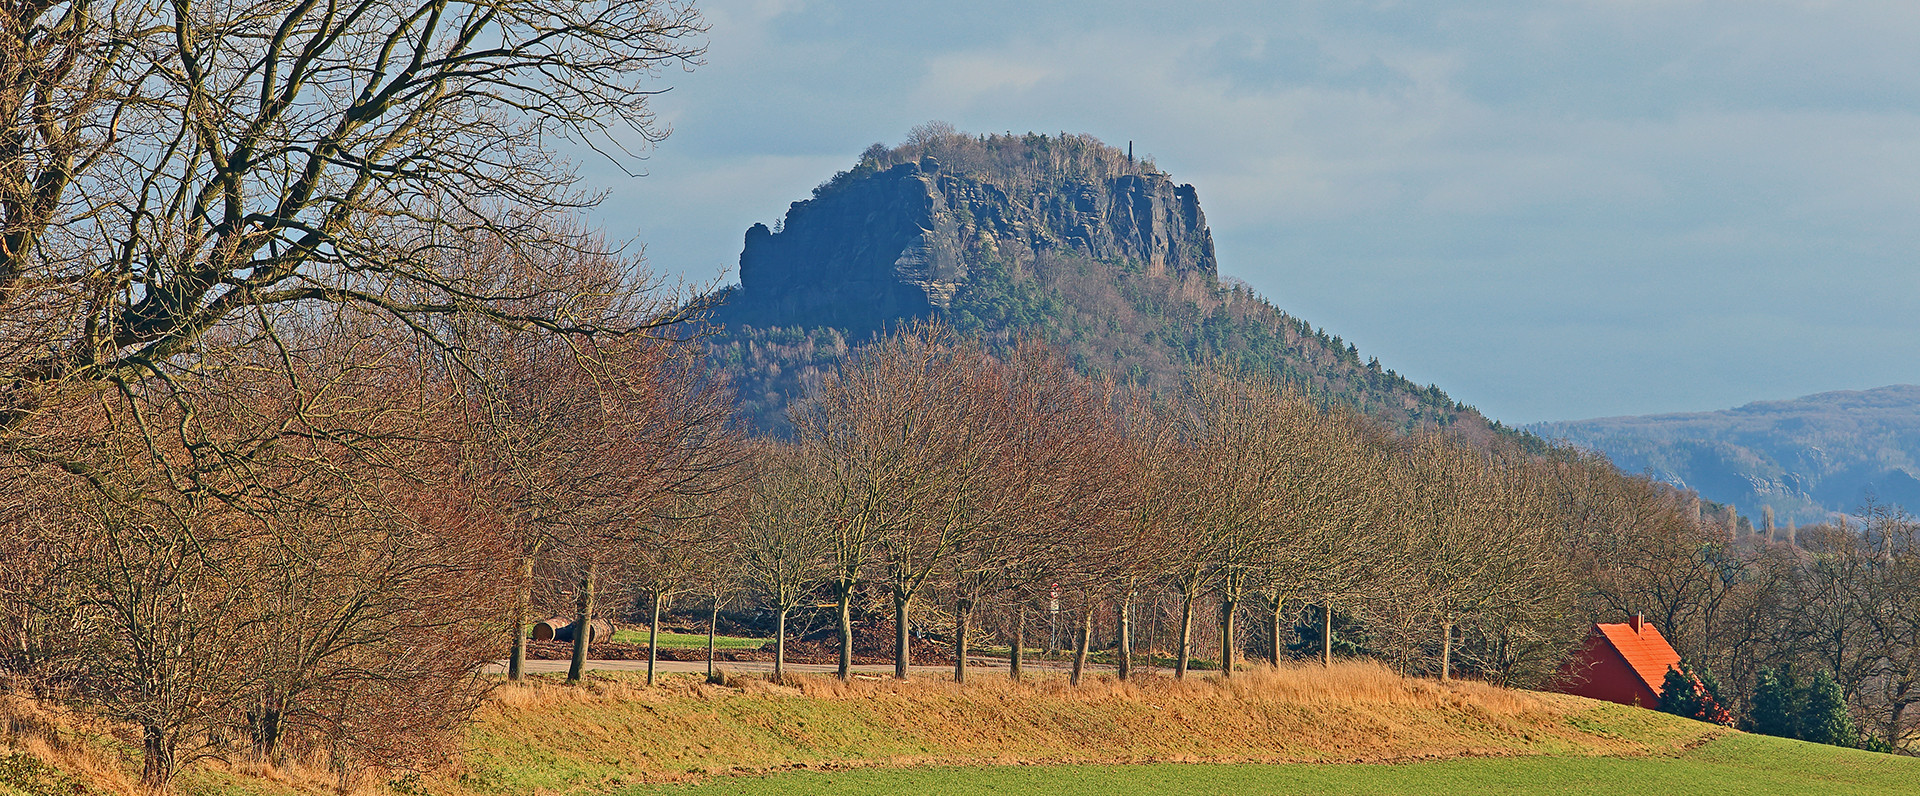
(1057, 475)
(170, 167)
(1145, 481)
(230, 559)
(903, 435)
(1890, 541)
(1234, 446)
(784, 543)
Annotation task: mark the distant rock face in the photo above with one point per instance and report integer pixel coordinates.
(900, 242)
(1807, 458)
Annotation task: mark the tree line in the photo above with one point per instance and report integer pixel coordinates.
(951, 487)
(1811, 631)
(319, 549)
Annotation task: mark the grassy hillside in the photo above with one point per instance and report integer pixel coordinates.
(615, 736)
(554, 739)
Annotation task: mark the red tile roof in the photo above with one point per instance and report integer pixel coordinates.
(1644, 649)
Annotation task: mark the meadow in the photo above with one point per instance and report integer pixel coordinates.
(1744, 764)
(672, 640)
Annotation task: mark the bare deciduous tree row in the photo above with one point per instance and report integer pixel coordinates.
(927, 464)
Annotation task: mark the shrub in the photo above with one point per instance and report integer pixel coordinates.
(1694, 694)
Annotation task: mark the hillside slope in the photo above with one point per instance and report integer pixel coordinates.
(613, 735)
(1806, 458)
(1061, 237)
(1358, 712)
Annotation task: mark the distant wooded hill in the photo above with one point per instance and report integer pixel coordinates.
(1806, 458)
(1004, 236)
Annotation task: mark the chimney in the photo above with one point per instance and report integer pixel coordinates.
(1638, 622)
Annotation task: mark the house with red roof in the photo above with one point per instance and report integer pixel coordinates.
(1622, 662)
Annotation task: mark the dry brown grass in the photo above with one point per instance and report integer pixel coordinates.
(103, 757)
(543, 737)
(76, 744)
(1355, 711)
(548, 738)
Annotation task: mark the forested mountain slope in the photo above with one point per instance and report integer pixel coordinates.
(1806, 458)
(1004, 236)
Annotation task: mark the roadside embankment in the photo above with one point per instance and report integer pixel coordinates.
(613, 732)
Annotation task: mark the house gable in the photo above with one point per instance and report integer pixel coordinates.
(1623, 662)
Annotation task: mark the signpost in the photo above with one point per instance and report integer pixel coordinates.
(1053, 620)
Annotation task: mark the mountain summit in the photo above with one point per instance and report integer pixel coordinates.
(900, 236)
(1003, 236)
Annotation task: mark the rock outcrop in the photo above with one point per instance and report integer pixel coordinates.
(1062, 239)
(876, 245)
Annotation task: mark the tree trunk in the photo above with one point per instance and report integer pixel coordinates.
(962, 612)
(1274, 628)
(780, 646)
(342, 773)
(1446, 651)
(1153, 635)
(846, 633)
(653, 637)
(583, 621)
(1124, 644)
(1186, 636)
(1326, 633)
(1019, 643)
(28, 656)
(522, 606)
(1080, 647)
(157, 768)
(901, 653)
(713, 630)
(1895, 715)
(1228, 605)
(266, 730)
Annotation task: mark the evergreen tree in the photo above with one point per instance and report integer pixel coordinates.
(1776, 705)
(1825, 719)
(1692, 693)
(1349, 635)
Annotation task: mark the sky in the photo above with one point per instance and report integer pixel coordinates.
(1552, 210)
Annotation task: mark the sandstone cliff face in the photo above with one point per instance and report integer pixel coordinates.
(874, 247)
(1014, 237)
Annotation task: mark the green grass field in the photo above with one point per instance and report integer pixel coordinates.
(1734, 764)
(629, 635)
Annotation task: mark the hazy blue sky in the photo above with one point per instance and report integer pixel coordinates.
(1552, 210)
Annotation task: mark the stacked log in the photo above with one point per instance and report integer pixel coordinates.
(543, 630)
(560, 628)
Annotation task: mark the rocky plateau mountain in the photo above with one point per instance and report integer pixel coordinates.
(1007, 236)
(900, 242)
